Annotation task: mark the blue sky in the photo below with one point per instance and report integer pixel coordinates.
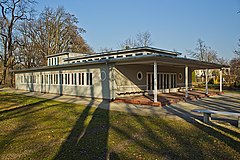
(173, 24)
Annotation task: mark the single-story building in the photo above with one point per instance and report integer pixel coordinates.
(112, 74)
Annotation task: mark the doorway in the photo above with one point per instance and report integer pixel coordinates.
(165, 82)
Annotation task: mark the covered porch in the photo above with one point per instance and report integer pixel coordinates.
(152, 76)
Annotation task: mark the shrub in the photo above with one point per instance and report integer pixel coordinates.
(237, 84)
(211, 81)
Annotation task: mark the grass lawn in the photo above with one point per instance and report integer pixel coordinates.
(35, 128)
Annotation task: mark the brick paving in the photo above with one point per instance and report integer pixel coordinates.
(164, 98)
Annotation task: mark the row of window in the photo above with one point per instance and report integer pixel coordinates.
(164, 81)
(84, 78)
(110, 57)
(53, 61)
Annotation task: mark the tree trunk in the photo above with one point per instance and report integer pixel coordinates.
(11, 75)
(4, 74)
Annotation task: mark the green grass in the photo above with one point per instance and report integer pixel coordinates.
(35, 128)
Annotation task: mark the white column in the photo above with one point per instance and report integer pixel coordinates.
(113, 82)
(206, 81)
(169, 83)
(220, 87)
(186, 81)
(155, 80)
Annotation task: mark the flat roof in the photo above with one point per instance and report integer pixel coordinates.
(124, 51)
(147, 59)
(57, 54)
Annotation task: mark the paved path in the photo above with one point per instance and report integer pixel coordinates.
(104, 104)
(226, 102)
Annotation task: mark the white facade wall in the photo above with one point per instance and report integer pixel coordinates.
(41, 81)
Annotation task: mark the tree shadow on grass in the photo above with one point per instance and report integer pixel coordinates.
(9, 138)
(191, 118)
(8, 113)
(161, 139)
(88, 138)
(88, 141)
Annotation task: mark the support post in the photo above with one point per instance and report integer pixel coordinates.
(169, 82)
(112, 69)
(206, 81)
(220, 87)
(155, 80)
(186, 81)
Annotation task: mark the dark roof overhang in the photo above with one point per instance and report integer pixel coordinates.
(165, 60)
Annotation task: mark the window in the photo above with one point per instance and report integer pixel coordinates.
(68, 79)
(72, 78)
(55, 60)
(49, 61)
(139, 76)
(180, 76)
(66, 82)
(42, 79)
(164, 81)
(119, 56)
(51, 79)
(103, 75)
(82, 78)
(60, 78)
(129, 55)
(89, 78)
(30, 77)
(79, 79)
(139, 54)
(56, 78)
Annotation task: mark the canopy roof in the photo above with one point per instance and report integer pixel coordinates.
(163, 58)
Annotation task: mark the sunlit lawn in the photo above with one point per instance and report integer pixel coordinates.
(34, 128)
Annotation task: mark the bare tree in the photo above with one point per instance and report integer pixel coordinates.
(54, 31)
(235, 69)
(203, 52)
(237, 51)
(142, 39)
(12, 11)
(129, 43)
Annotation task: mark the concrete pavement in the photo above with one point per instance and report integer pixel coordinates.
(226, 102)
